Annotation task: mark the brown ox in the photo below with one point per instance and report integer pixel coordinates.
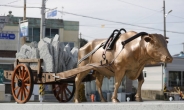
(130, 61)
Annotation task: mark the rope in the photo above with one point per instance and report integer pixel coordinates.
(116, 56)
(90, 53)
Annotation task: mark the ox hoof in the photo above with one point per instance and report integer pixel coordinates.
(77, 101)
(103, 100)
(115, 100)
(138, 99)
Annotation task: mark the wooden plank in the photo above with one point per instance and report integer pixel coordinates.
(28, 60)
(80, 70)
(73, 72)
(49, 77)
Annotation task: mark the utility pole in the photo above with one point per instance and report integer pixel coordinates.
(164, 36)
(24, 10)
(164, 18)
(23, 39)
(42, 25)
(80, 39)
(42, 35)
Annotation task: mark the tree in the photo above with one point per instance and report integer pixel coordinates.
(83, 42)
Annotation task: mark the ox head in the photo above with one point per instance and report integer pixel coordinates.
(156, 47)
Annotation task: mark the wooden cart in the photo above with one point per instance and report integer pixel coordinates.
(23, 78)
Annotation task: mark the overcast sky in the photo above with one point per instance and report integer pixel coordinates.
(139, 13)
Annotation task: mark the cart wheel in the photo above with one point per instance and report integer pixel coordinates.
(64, 91)
(22, 83)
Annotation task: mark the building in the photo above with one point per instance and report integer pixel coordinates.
(156, 76)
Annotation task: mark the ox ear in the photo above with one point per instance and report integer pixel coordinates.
(147, 38)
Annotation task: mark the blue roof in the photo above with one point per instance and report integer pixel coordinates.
(181, 55)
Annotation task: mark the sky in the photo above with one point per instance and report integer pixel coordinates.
(132, 15)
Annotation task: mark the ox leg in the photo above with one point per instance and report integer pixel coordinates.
(118, 78)
(78, 81)
(99, 79)
(140, 82)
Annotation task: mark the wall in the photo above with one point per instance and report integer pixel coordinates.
(71, 36)
(6, 44)
(71, 32)
(176, 65)
(153, 79)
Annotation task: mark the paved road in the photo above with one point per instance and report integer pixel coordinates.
(146, 105)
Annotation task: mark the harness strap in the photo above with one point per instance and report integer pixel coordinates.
(90, 53)
(105, 49)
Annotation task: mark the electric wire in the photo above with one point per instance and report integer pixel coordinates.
(148, 8)
(121, 22)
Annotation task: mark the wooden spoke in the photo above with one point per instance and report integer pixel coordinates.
(26, 79)
(24, 93)
(58, 92)
(18, 93)
(61, 92)
(23, 69)
(19, 71)
(55, 88)
(16, 88)
(21, 94)
(25, 73)
(26, 89)
(22, 83)
(65, 94)
(17, 76)
(68, 91)
(27, 84)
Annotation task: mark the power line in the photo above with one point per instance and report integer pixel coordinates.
(148, 8)
(121, 22)
(12, 2)
(145, 17)
(14, 6)
(139, 6)
(162, 22)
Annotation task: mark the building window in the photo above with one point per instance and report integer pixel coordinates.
(34, 34)
(54, 32)
(47, 32)
(174, 78)
(2, 20)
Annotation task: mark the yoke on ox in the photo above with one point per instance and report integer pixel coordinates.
(127, 55)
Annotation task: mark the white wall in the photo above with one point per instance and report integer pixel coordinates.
(6, 44)
(153, 79)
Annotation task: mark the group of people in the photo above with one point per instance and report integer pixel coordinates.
(176, 90)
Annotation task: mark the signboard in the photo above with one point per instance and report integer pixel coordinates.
(52, 13)
(1, 76)
(8, 36)
(24, 29)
